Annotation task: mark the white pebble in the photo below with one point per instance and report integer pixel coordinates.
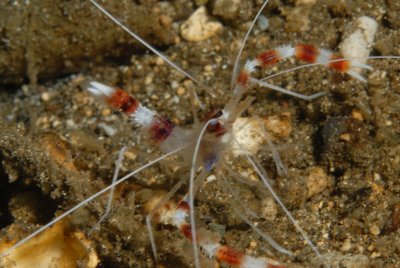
(346, 246)
(317, 181)
(110, 131)
(45, 96)
(211, 178)
(374, 230)
(199, 27)
(262, 23)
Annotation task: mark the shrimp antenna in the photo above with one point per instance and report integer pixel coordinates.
(236, 66)
(191, 193)
(383, 57)
(148, 46)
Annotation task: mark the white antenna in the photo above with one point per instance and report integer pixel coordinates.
(236, 66)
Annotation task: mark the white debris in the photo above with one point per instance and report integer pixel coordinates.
(199, 27)
(110, 131)
(263, 23)
(248, 133)
(211, 178)
(358, 40)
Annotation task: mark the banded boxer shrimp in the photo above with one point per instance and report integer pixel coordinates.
(97, 86)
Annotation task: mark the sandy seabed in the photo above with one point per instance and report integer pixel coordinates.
(58, 146)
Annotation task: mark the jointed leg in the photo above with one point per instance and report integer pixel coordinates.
(118, 164)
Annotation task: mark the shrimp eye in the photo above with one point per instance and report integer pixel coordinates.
(213, 126)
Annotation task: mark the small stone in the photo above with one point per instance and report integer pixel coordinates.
(375, 255)
(56, 123)
(70, 123)
(174, 84)
(149, 79)
(181, 91)
(357, 115)
(374, 230)
(88, 112)
(43, 122)
(25, 89)
(45, 96)
(253, 244)
(106, 112)
(346, 246)
(269, 209)
(279, 126)
(211, 178)
(198, 27)
(208, 68)
(110, 131)
(345, 137)
(188, 83)
(166, 21)
(130, 155)
(159, 61)
(317, 181)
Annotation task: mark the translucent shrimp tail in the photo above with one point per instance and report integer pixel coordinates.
(68, 212)
(118, 164)
(236, 65)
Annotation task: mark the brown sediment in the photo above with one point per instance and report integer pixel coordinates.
(360, 158)
(44, 39)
